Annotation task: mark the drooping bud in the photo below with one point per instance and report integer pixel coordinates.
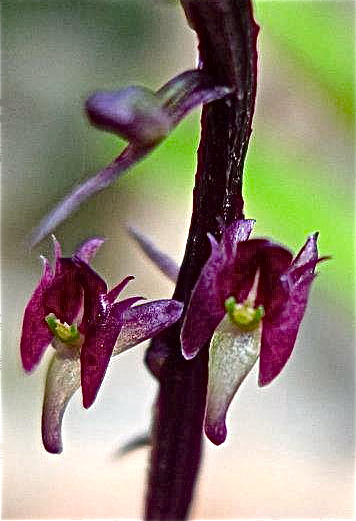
(134, 113)
(142, 117)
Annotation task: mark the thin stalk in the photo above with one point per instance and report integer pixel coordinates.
(227, 37)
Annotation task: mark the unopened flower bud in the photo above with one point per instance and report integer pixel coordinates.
(134, 113)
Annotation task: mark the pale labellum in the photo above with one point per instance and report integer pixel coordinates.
(232, 355)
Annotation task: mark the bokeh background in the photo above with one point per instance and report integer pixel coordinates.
(290, 448)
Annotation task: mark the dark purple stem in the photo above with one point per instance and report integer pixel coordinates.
(227, 37)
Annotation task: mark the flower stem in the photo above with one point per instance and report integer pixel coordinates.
(227, 37)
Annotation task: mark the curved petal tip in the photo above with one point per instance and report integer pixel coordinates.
(186, 352)
(216, 432)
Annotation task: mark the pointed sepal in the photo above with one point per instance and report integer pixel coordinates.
(87, 250)
(35, 334)
(214, 285)
(163, 261)
(281, 324)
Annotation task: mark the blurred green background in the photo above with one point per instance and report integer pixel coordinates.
(290, 447)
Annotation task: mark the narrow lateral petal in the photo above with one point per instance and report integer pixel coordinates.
(232, 355)
(87, 250)
(95, 356)
(280, 330)
(205, 309)
(215, 284)
(163, 261)
(115, 292)
(98, 347)
(35, 334)
(145, 321)
(63, 379)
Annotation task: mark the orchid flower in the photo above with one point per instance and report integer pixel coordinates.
(142, 117)
(248, 302)
(72, 309)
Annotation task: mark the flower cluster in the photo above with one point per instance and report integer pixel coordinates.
(72, 309)
(248, 301)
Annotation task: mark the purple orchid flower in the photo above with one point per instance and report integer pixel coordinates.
(72, 309)
(249, 301)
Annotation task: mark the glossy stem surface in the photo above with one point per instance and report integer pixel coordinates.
(227, 37)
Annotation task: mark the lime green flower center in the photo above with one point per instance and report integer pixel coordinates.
(243, 315)
(67, 334)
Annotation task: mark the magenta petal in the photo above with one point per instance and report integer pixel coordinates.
(205, 309)
(95, 355)
(280, 331)
(309, 252)
(35, 334)
(240, 264)
(145, 321)
(91, 281)
(98, 347)
(304, 262)
(282, 320)
(87, 249)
